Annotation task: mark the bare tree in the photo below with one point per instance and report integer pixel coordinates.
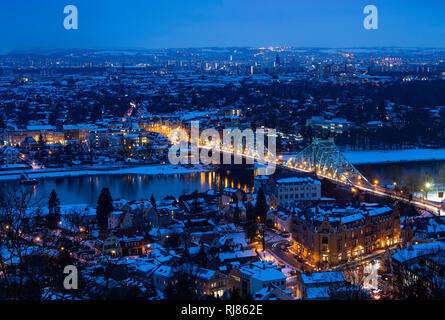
(19, 247)
(76, 224)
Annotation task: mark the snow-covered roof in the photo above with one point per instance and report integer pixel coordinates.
(318, 293)
(269, 274)
(165, 271)
(237, 254)
(418, 250)
(263, 271)
(298, 180)
(322, 277)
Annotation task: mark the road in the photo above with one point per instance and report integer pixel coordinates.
(430, 206)
(286, 258)
(359, 261)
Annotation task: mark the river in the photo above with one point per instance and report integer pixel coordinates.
(86, 189)
(412, 174)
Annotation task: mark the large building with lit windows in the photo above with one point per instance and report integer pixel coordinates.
(294, 189)
(290, 190)
(336, 125)
(49, 134)
(331, 235)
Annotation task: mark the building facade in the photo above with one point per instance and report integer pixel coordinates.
(332, 235)
(294, 189)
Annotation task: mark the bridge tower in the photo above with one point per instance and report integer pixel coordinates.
(324, 159)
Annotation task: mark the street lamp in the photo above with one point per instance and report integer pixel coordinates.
(263, 234)
(427, 187)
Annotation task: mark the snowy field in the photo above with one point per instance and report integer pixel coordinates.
(390, 156)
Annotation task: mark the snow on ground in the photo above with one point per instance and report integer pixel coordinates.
(432, 196)
(287, 270)
(355, 157)
(388, 156)
(150, 170)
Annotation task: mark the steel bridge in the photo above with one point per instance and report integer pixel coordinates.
(324, 159)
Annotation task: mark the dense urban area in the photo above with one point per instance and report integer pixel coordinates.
(304, 232)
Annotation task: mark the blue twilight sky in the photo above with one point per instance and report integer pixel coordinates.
(31, 24)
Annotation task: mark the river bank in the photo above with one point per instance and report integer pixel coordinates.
(394, 156)
(157, 169)
(355, 157)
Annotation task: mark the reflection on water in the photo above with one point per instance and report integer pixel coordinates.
(86, 189)
(412, 174)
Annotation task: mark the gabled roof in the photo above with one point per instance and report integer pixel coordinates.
(418, 250)
(322, 277)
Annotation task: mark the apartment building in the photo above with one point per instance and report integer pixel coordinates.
(331, 235)
(293, 189)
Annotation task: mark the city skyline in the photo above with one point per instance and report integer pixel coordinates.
(231, 151)
(148, 25)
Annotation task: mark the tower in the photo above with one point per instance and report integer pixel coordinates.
(277, 60)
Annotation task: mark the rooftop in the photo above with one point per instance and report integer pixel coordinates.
(322, 277)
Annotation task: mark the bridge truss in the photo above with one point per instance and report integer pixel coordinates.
(325, 159)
